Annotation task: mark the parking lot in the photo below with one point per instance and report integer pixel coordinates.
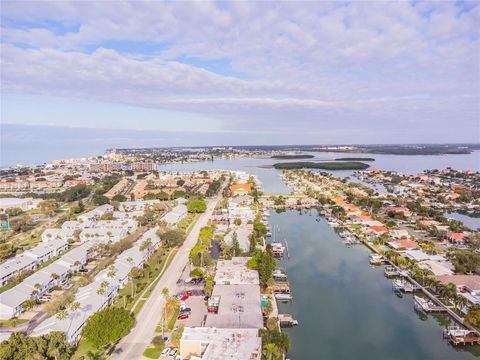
(198, 313)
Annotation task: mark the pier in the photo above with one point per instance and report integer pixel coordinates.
(287, 320)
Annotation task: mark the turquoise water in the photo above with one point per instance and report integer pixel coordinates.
(345, 307)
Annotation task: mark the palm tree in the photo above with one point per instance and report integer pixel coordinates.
(273, 351)
(165, 294)
(62, 314)
(75, 306)
(54, 276)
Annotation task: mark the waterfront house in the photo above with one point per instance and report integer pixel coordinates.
(467, 285)
(403, 244)
(240, 189)
(455, 237)
(210, 343)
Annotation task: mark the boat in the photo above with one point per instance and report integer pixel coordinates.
(283, 296)
(278, 249)
(391, 270)
(398, 285)
(376, 259)
(279, 275)
(426, 305)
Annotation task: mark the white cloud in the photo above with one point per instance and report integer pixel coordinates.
(359, 60)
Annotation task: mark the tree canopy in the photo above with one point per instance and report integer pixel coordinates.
(108, 326)
(196, 206)
(51, 346)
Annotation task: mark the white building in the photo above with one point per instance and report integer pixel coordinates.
(58, 234)
(103, 235)
(175, 215)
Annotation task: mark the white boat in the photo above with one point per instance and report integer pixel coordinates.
(426, 305)
(376, 259)
(283, 296)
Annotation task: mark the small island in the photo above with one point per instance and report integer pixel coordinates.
(355, 159)
(344, 165)
(292, 156)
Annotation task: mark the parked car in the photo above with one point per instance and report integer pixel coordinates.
(183, 317)
(188, 292)
(165, 352)
(187, 309)
(173, 352)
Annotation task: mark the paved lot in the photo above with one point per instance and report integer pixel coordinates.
(199, 311)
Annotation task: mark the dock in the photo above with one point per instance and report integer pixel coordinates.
(287, 320)
(391, 271)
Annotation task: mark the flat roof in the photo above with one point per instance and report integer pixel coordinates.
(240, 307)
(218, 344)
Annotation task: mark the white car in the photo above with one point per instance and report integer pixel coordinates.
(165, 352)
(173, 352)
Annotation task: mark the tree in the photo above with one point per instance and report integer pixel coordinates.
(119, 198)
(473, 316)
(62, 314)
(48, 207)
(158, 342)
(237, 222)
(79, 208)
(172, 238)
(264, 263)
(100, 200)
(108, 326)
(50, 346)
(196, 206)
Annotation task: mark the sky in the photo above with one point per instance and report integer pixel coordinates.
(214, 73)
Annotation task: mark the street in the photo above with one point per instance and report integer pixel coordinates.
(133, 345)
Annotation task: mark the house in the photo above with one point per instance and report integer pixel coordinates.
(210, 343)
(121, 215)
(46, 251)
(467, 285)
(398, 234)
(77, 225)
(103, 235)
(240, 189)
(58, 234)
(455, 237)
(96, 213)
(437, 267)
(138, 205)
(15, 266)
(128, 224)
(174, 216)
(239, 307)
(378, 230)
(242, 233)
(403, 244)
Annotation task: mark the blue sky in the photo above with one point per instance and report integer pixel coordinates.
(238, 72)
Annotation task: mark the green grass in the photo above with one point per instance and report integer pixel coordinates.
(173, 318)
(152, 353)
(187, 222)
(12, 322)
(82, 350)
(139, 307)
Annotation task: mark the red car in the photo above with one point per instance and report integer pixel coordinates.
(188, 292)
(184, 297)
(182, 317)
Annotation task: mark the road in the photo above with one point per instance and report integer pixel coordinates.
(133, 345)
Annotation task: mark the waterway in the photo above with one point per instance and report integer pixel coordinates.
(272, 183)
(345, 307)
(469, 221)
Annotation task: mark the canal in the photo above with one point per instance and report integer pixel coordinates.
(345, 307)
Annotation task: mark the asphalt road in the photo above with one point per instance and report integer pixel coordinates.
(133, 345)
